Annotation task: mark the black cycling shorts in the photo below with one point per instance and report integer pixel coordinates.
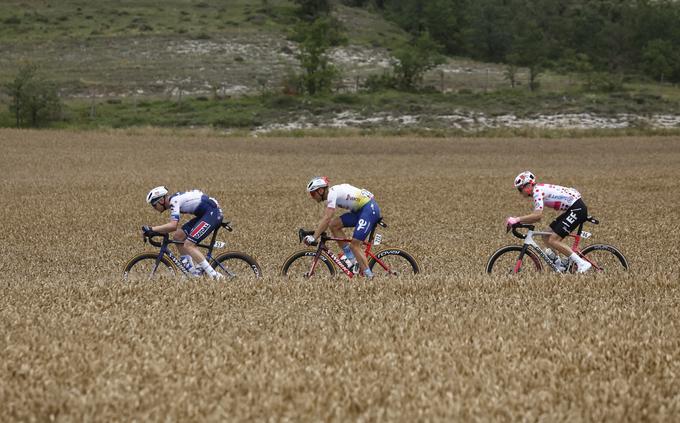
(570, 219)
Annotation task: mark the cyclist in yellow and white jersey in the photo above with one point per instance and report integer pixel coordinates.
(564, 199)
(363, 215)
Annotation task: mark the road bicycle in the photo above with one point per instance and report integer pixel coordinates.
(512, 258)
(322, 262)
(165, 264)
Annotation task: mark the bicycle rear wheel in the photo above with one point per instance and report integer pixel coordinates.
(143, 267)
(235, 264)
(506, 261)
(299, 265)
(605, 258)
(393, 262)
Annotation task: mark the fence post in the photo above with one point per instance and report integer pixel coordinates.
(93, 105)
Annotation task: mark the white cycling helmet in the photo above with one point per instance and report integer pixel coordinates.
(316, 183)
(156, 194)
(524, 178)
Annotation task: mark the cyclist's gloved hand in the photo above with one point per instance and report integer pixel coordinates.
(511, 221)
(308, 240)
(146, 230)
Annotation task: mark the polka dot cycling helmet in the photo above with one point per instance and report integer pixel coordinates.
(524, 178)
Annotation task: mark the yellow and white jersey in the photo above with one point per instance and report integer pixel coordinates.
(348, 197)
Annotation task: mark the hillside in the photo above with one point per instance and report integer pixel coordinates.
(117, 56)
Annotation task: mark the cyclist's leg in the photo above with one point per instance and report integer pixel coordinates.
(368, 217)
(336, 226)
(563, 226)
(205, 225)
(556, 242)
(181, 236)
(347, 220)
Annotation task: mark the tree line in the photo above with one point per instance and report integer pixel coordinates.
(596, 38)
(639, 37)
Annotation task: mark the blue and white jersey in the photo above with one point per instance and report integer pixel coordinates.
(191, 202)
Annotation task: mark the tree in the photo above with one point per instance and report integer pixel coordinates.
(312, 9)
(488, 36)
(35, 101)
(572, 62)
(511, 71)
(445, 21)
(529, 45)
(316, 39)
(660, 59)
(412, 60)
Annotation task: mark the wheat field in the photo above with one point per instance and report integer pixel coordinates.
(451, 344)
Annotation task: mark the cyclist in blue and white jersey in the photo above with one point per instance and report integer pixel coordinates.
(363, 215)
(208, 217)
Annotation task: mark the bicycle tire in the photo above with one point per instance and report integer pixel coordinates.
(239, 265)
(507, 256)
(144, 263)
(397, 267)
(605, 257)
(300, 262)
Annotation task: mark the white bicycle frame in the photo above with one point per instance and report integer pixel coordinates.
(530, 242)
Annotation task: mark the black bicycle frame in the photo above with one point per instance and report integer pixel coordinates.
(165, 250)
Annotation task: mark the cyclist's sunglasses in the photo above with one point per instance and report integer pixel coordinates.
(154, 202)
(520, 189)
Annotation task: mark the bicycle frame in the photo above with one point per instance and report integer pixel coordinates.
(322, 248)
(529, 242)
(165, 250)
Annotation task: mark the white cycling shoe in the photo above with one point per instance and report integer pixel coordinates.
(582, 268)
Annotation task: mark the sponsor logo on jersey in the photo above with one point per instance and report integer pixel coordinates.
(571, 218)
(199, 230)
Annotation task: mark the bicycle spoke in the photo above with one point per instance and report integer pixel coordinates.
(146, 269)
(236, 267)
(393, 266)
(604, 261)
(393, 263)
(299, 266)
(505, 261)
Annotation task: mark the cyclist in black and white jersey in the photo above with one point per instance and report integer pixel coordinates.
(208, 217)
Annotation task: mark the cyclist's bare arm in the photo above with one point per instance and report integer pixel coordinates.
(533, 217)
(325, 221)
(167, 227)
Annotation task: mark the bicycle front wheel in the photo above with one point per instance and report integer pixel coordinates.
(506, 261)
(143, 267)
(605, 258)
(299, 265)
(393, 262)
(235, 264)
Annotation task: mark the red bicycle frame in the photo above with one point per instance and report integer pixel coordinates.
(350, 274)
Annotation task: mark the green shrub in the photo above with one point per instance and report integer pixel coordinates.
(35, 100)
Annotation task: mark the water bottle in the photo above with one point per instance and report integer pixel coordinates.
(552, 256)
(564, 263)
(347, 261)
